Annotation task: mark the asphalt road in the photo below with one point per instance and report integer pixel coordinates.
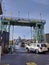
(25, 59)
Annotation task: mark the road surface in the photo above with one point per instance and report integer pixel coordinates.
(25, 59)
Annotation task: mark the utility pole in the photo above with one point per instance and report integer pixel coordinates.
(41, 16)
(28, 15)
(24, 36)
(18, 14)
(12, 34)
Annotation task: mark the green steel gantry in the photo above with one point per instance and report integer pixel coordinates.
(38, 27)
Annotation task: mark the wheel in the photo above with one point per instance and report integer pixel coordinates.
(27, 50)
(36, 51)
(48, 49)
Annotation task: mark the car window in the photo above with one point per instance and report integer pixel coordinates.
(43, 45)
(38, 46)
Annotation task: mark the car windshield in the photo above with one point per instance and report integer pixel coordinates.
(43, 45)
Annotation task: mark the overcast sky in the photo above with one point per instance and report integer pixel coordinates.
(20, 8)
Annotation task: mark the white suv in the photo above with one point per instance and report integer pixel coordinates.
(36, 47)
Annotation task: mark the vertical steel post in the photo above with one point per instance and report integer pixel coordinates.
(9, 26)
(1, 8)
(39, 32)
(12, 34)
(31, 33)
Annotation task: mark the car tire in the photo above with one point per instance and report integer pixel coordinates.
(36, 51)
(27, 50)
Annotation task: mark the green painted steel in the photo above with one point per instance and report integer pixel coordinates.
(39, 32)
(38, 27)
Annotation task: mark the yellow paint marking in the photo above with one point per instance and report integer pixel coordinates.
(31, 63)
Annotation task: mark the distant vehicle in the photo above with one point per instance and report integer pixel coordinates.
(16, 46)
(20, 47)
(36, 47)
(20, 44)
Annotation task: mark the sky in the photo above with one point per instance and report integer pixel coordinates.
(21, 8)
